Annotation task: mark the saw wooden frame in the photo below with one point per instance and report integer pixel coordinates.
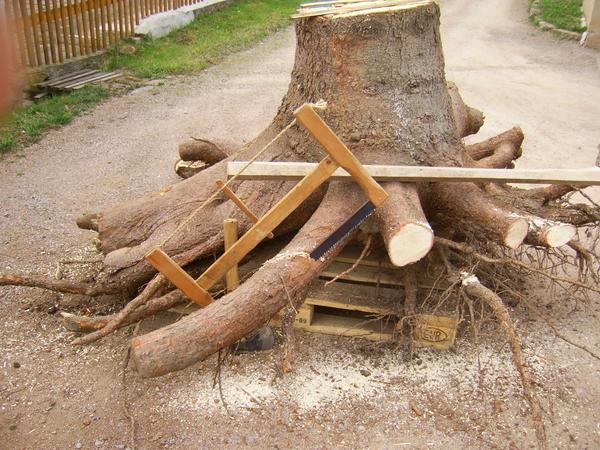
(338, 156)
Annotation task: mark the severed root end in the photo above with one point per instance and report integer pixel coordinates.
(559, 234)
(411, 243)
(546, 233)
(516, 233)
(186, 169)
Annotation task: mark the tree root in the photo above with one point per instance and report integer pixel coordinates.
(152, 307)
(52, 284)
(157, 283)
(474, 288)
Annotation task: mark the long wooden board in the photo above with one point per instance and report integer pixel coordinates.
(297, 170)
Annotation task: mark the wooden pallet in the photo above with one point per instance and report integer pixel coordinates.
(348, 309)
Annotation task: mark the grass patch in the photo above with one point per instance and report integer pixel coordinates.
(26, 125)
(565, 14)
(207, 39)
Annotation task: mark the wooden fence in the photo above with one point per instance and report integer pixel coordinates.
(53, 31)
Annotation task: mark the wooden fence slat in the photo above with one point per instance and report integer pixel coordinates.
(71, 15)
(18, 21)
(131, 8)
(57, 28)
(136, 17)
(93, 25)
(127, 14)
(103, 22)
(80, 32)
(33, 26)
(85, 18)
(119, 7)
(110, 21)
(65, 31)
(51, 35)
(41, 25)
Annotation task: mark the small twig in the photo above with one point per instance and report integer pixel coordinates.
(364, 253)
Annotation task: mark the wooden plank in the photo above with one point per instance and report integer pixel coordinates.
(103, 77)
(267, 223)
(65, 78)
(309, 118)
(239, 202)
(296, 170)
(179, 277)
(60, 84)
(372, 6)
(355, 297)
(230, 236)
(348, 326)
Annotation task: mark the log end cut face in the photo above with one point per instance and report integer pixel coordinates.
(411, 243)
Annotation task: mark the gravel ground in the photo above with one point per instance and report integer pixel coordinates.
(344, 392)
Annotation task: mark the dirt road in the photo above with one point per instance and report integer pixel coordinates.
(344, 393)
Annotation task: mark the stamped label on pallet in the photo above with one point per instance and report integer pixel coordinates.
(435, 331)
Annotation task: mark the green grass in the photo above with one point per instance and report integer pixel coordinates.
(25, 125)
(206, 40)
(565, 14)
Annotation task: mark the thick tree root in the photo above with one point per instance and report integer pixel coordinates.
(247, 308)
(465, 207)
(468, 120)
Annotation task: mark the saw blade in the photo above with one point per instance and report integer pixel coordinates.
(344, 230)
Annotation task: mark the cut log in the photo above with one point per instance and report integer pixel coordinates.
(186, 169)
(403, 225)
(465, 206)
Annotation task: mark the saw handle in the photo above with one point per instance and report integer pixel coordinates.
(338, 151)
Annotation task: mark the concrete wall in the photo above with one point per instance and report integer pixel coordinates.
(591, 11)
